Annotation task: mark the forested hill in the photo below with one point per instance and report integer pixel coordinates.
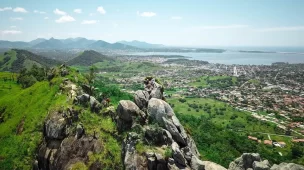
(88, 58)
(16, 59)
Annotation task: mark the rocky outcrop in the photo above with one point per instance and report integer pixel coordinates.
(67, 152)
(128, 114)
(287, 166)
(253, 161)
(131, 159)
(55, 126)
(154, 123)
(65, 143)
(245, 161)
(141, 99)
(212, 166)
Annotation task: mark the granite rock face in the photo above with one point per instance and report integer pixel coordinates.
(156, 124)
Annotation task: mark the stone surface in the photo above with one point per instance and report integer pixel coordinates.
(287, 166)
(70, 150)
(95, 105)
(157, 91)
(177, 154)
(128, 113)
(141, 98)
(197, 164)
(245, 161)
(212, 166)
(55, 126)
(263, 165)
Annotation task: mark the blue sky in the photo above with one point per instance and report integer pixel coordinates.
(170, 22)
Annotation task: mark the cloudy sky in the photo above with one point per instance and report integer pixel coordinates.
(170, 22)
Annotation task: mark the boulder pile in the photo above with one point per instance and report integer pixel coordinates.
(153, 124)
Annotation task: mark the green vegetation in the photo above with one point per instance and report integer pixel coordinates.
(21, 126)
(29, 77)
(215, 81)
(88, 58)
(222, 145)
(7, 59)
(105, 128)
(220, 131)
(220, 114)
(14, 60)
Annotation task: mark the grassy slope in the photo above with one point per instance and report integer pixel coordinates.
(8, 64)
(223, 120)
(220, 120)
(32, 105)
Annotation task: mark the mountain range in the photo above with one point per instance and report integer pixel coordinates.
(80, 43)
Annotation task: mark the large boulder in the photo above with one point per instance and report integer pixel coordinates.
(67, 152)
(131, 159)
(153, 88)
(141, 99)
(157, 136)
(178, 155)
(263, 165)
(157, 109)
(197, 164)
(83, 99)
(95, 105)
(212, 166)
(175, 132)
(157, 91)
(128, 114)
(55, 125)
(287, 166)
(245, 161)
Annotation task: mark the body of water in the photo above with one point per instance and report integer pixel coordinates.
(234, 57)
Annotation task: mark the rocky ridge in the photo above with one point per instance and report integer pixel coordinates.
(155, 139)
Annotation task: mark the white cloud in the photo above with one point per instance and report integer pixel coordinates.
(13, 26)
(6, 9)
(19, 9)
(13, 32)
(101, 10)
(146, 14)
(78, 11)
(39, 12)
(213, 27)
(89, 22)
(276, 29)
(58, 12)
(46, 17)
(176, 18)
(65, 18)
(16, 18)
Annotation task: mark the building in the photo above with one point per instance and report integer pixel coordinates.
(267, 142)
(252, 138)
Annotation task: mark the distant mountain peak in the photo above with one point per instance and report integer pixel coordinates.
(141, 44)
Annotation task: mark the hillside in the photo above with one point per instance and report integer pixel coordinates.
(13, 44)
(88, 58)
(16, 59)
(69, 43)
(50, 44)
(115, 46)
(141, 44)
